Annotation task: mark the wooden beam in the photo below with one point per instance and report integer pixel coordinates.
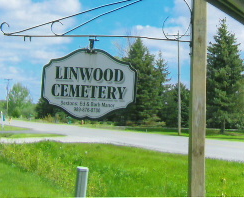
(234, 8)
(197, 123)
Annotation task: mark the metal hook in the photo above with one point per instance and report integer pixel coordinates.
(27, 37)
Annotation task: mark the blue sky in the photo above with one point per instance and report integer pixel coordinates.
(23, 61)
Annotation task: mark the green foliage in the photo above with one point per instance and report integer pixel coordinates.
(50, 113)
(151, 76)
(43, 109)
(238, 117)
(169, 112)
(19, 101)
(29, 112)
(15, 112)
(223, 78)
(3, 106)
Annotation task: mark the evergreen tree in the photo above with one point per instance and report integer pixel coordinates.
(223, 77)
(149, 84)
(44, 110)
(161, 74)
(238, 117)
(169, 111)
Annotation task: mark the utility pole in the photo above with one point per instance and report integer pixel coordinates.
(7, 88)
(179, 89)
(178, 36)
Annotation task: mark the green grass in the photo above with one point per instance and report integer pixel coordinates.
(116, 171)
(16, 182)
(11, 128)
(27, 135)
(6, 133)
(230, 135)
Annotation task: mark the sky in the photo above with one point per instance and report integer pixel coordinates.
(22, 61)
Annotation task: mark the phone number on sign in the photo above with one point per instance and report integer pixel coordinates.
(84, 109)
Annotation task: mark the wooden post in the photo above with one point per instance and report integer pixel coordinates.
(197, 123)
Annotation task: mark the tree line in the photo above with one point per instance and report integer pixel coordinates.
(156, 101)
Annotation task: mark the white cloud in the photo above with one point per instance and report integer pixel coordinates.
(24, 14)
(41, 56)
(233, 26)
(180, 22)
(169, 48)
(14, 70)
(16, 54)
(21, 14)
(13, 4)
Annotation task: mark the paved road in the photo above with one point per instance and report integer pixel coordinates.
(225, 150)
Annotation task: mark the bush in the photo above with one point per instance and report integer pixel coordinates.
(16, 113)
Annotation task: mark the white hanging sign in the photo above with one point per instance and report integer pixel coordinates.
(89, 84)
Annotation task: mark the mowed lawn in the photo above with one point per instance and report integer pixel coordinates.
(114, 171)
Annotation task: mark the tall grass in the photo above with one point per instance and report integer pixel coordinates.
(116, 171)
(16, 182)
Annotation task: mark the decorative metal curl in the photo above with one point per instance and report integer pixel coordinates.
(96, 17)
(1, 27)
(17, 33)
(178, 36)
(59, 20)
(52, 27)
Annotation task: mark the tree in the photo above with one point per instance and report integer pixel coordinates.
(29, 112)
(223, 78)
(162, 73)
(51, 113)
(169, 111)
(19, 100)
(43, 109)
(149, 84)
(3, 106)
(238, 118)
